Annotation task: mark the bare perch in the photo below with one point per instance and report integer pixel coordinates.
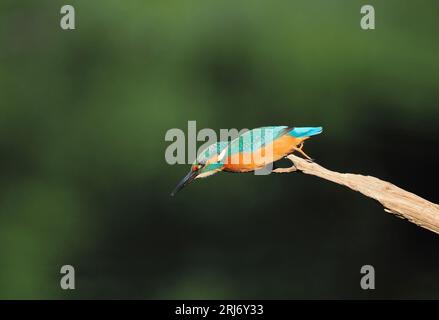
(394, 199)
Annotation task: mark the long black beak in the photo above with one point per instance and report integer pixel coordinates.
(185, 181)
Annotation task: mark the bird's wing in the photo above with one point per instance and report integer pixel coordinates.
(255, 139)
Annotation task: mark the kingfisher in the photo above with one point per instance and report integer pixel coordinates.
(250, 151)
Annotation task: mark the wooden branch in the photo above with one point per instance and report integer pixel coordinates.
(394, 199)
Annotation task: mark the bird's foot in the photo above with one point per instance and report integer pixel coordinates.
(300, 150)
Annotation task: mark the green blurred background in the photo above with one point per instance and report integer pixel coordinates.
(84, 181)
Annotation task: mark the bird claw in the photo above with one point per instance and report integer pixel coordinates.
(299, 149)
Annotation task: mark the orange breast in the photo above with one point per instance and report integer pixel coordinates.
(276, 150)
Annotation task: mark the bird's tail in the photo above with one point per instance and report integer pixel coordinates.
(302, 132)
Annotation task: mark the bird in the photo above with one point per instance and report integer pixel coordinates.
(250, 151)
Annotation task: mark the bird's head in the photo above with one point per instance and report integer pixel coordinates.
(209, 163)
